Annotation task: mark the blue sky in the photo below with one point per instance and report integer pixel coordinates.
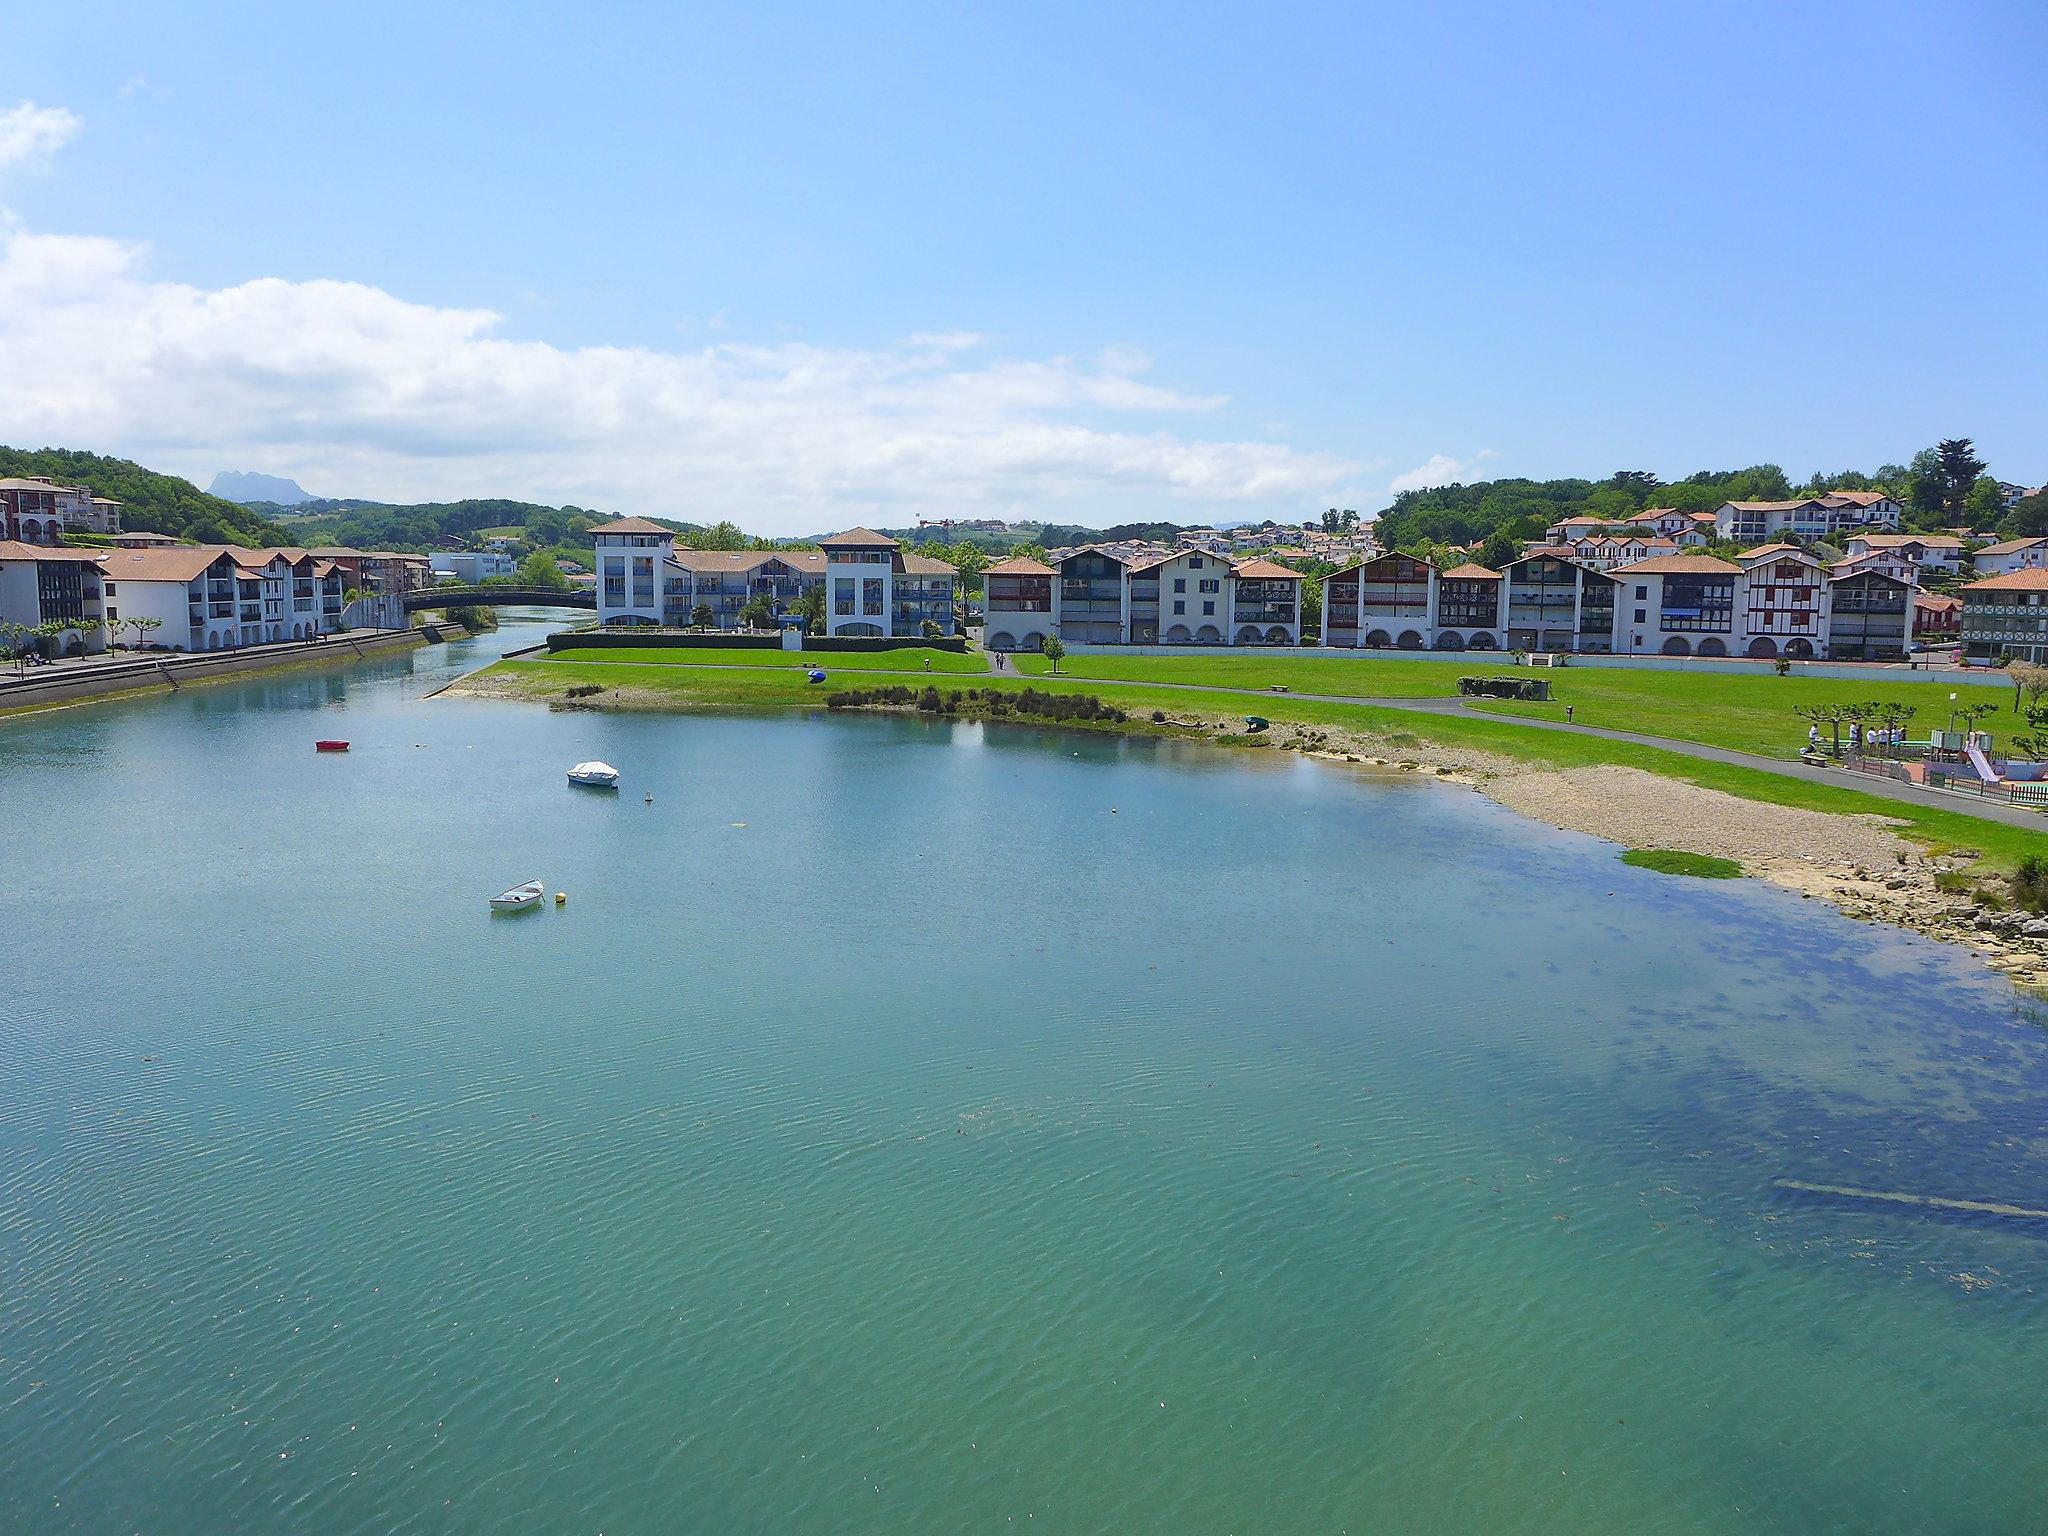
(1161, 260)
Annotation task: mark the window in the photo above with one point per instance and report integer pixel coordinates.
(1639, 612)
(1180, 607)
(1208, 609)
(110, 589)
(113, 614)
(1180, 583)
(1212, 586)
(1195, 563)
(1641, 594)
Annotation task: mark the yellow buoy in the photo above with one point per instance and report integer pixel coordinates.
(561, 897)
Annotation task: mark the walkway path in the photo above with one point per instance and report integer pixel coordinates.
(1883, 789)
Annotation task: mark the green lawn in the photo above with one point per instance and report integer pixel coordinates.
(1674, 861)
(910, 660)
(734, 688)
(1746, 712)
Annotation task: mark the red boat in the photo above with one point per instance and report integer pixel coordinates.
(330, 745)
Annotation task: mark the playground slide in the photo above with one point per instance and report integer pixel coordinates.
(1982, 764)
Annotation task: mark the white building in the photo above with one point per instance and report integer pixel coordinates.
(1785, 605)
(1939, 552)
(632, 559)
(40, 585)
(1679, 605)
(2012, 555)
(472, 565)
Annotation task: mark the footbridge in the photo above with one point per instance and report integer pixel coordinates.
(499, 597)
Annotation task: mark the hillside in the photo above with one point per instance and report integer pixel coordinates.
(438, 524)
(248, 487)
(154, 503)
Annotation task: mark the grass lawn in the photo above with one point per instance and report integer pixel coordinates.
(909, 660)
(785, 688)
(1746, 712)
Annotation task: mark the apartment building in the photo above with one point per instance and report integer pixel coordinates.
(1784, 603)
(1017, 599)
(1869, 614)
(1605, 551)
(2006, 617)
(1468, 609)
(35, 509)
(1805, 517)
(2011, 555)
(472, 565)
(41, 585)
(871, 585)
(209, 597)
(1554, 603)
(1941, 553)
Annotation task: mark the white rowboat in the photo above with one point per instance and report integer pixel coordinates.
(518, 898)
(595, 775)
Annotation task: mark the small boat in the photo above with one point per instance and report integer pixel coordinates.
(1253, 724)
(330, 744)
(518, 899)
(595, 775)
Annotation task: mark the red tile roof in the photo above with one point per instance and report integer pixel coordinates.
(2032, 580)
(1266, 570)
(632, 525)
(1680, 565)
(859, 538)
(1017, 565)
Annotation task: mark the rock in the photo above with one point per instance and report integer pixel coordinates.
(2037, 929)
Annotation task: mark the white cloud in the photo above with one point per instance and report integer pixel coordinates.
(30, 135)
(356, 391)
(1441, 469)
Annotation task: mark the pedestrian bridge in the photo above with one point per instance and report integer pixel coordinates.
(500, 597)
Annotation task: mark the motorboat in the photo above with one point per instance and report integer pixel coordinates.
(518, 899)
(595, 775)
(330, 744)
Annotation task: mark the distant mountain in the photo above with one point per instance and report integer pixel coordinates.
(246, 486)
(151, 503)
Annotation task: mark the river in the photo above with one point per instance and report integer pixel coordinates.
(914, 1126)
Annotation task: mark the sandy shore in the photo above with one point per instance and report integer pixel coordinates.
(1858, 863)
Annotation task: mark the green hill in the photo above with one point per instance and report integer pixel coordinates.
(153, 503)
(431, 525)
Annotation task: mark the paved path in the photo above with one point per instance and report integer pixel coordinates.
(1840, 778)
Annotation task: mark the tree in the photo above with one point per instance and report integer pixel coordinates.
(721, 535)
(2029, 678)
(1959, 467)
(758, 612)
(1833, 716)
(1055, 651)
(1500, 547)
(141, 628)
(810, 604)
(700, 616)
(1984, 503)
(930, 630)
(539, 570)
(2027, 518)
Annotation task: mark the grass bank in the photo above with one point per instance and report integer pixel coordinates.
(680, 684)
(1744, 712)
(910, 660)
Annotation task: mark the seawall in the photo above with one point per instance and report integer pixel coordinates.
(170, 669)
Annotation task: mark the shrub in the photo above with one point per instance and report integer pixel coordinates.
(2029, 883)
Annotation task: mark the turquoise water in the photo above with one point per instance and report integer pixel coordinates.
(908, 1128)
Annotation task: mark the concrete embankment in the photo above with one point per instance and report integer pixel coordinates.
(173, 669)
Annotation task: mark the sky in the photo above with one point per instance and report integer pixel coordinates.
(804, 266)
